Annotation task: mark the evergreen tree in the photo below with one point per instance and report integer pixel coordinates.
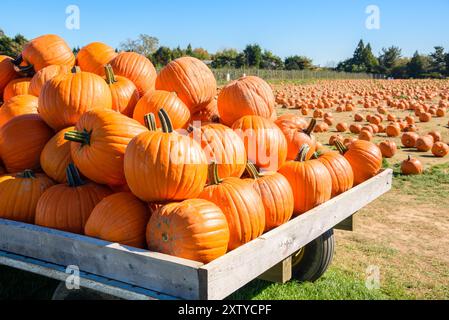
(369, 60)
(253, 55)
(418, 66)
(438, 60)
(388, 59)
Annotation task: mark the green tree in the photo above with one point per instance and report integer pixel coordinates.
(298, 63)
(189, 51)
(359, 54)
(271, 61)
(389, 58)
(400, 70)
(418, 66)
(144, 44)
(253, 55)
(178, 53)
(162, 56)
(11, 46)
(438, 60)
(369, 60)
(201, 54)
(447, 64)
(225, 59)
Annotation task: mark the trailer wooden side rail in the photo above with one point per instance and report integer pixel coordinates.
(131, 273)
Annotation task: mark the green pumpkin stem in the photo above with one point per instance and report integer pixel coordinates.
(77, 136)
(110, 76)
(302, 154)
(27, 174)
(311, 127)
(214, 178)
(251, 169)
(167, 125)
(27, 70)
(340, 147)
(73, 176)
(150, 122)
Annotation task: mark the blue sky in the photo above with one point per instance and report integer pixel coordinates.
(324, 30)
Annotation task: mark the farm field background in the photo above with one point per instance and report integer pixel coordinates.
(403, 233)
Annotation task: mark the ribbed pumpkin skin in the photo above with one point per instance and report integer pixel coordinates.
(16, 87)
(102, 160)
(224, 147)
(7, 72)
(48, 50)
(119, 218)
(20, 196)
(208, 113)
(365, 159)
(161, 167)
(93, 57)
(243, 97)
(311, 183)
(293, 131)
(136, 68)
(65, 98)
(241, 204)
(44, 75)
(155, 100)
(55, 156)
(265, 143)
(68, 208)
(124, 96)
(194, 229)
(340, 171)
(191, 79)
(16, 106)
(22, 140)
(277, 199)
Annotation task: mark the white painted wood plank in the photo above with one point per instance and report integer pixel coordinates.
(149, 270)
(227, 274)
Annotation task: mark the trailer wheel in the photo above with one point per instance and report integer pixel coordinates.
(312, 261)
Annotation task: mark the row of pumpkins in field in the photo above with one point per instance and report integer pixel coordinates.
(101, 145)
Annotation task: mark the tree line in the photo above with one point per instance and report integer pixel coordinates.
(389, 62)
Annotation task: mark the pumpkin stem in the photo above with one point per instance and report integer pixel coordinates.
(27, 70)
(27, 174)
(214, 179)
(77, 136)
(110, 76)
(167, 126)
(73, 176)
(302, 154)
(150, 122)
(251, 169)
(76, 69)
(311, 127)
(340, 147)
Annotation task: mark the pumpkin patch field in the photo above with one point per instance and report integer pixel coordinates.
(101, 148)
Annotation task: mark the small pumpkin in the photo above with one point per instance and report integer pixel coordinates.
(411, 166)
(44, 75)
(99, 142)
(55, 157)
(20, 193)
(119, 218)
(22, 140)
(440, 149)
(194, 229)
(93, 57)
(409, 139)
(276, 194)
(393, 130)
(364, 157)
(388, 148)
(67, 207)
(342, 127)
(16, 87)
(436, 136)
(424, 143)
(310, 181)
(240, 203)
(124, 93)
(16, 106)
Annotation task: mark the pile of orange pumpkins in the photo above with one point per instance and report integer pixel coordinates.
(100, 144)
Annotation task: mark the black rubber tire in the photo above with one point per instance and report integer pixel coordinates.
(316, 259)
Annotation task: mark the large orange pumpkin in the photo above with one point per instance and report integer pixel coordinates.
(165, 166)
(65, 98)
(136, 68)
(222, 146)
(155, 100)
(22, 140)
(208, 113)
(44, 51)
(55, 157)
(44, 75)
(240, 203)
(67, 207)
(93, 57)
(16, 106)
(120, 218)
(194, 229)
(340, 170)
(191, 79)
(265, 143)
(276, 194)
(20, 193)
(99, 142)
(16, 87)
(243, 97)
(7, 72)
(310, 181)
(365, 159)
(124, 93)
(297, 135)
